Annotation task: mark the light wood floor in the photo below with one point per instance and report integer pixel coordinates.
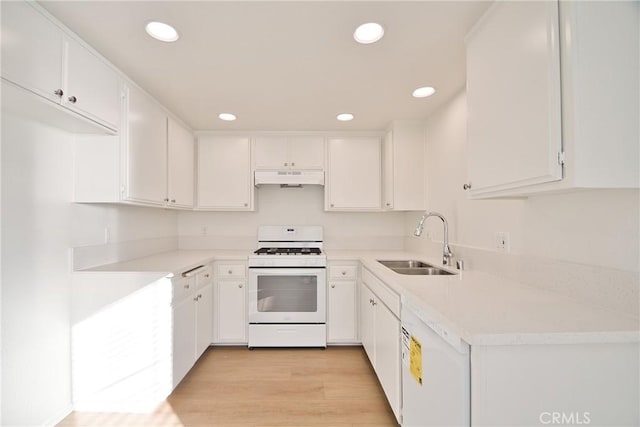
(232, 386)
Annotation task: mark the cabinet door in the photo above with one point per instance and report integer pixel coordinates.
(270, 152)
(342, 312)
(180, 165)
(224, 173)
(387, 348)
(204, 321)
(367, 323)
(387, 170)
(146, 150)
(306, 152)
(184, 338)
(92, 88)
(31, 49)
(513, 97)
(354, 174)
(230, 312)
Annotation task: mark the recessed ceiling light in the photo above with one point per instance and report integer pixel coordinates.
(344, 117)
(423, 92)
(368, 33)
(227, 117)
(161, 31)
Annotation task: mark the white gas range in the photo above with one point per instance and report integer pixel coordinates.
(287, 288)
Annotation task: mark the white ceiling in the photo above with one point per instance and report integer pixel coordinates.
(289, 65)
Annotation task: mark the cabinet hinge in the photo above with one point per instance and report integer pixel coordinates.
(561, 158)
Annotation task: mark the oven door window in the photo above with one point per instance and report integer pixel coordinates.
(287, 294)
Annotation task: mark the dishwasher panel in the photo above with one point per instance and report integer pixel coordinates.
(435, 375)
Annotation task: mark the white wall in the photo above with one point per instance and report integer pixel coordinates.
(295, 206)
(36, 220)
(39, 227)
(569, 234)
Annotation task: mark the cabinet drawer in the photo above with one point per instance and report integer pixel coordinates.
(386, 295)
(343, 271)
(183, 286)
(231, 270)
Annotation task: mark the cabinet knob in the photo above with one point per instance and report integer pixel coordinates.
(240, 285)
(293, 164)
(206, 275)
(72, 99)
(58, 92)
(466, 186)
(370, 300)
(333, 285)
(173, 200)
(344, 273)
(246, 204)
(199, 296)
(186, 286)
(388, 204)
(374, 303)
(196, 299)
(286, 164)
(230, 272)
(332, 205)
(166, 199)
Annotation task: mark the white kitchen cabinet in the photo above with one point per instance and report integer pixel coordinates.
(184, 338)
(367, 323)
(380, 334)
(192, 319)
(180, 165)
(224, 173)
(37, 55)
(150, 163)
(553, 98)
(404, 166)
(354, 174)
(594, 383)
(146, 148)
(342, 303)
(230, 303)
(288, 152)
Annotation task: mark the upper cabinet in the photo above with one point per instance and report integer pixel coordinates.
(180, 165)
(354, 175)
(288, 152)
(552, 92)
(150, 163)
(404, 166)
(37, 55)
(145, 145)
(513, 95)
(224, 173)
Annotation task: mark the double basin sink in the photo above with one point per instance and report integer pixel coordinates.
(414, 268)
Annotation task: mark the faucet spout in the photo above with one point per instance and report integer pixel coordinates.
(446, 251)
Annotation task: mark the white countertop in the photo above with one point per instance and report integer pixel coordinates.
(484, 309)
(481, 308)
(171, 262)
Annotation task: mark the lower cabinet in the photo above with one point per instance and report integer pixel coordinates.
(230, 303)
(380, 334)
(192, 311)
(342, 304)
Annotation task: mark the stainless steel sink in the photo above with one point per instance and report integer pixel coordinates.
(414, 268)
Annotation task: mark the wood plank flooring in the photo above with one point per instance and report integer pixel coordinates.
(233, 386)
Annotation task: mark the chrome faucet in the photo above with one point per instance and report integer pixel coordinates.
(446, 252)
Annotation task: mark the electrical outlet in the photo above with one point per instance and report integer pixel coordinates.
(502, 241)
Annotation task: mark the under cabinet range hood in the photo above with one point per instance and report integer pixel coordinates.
(289, 177)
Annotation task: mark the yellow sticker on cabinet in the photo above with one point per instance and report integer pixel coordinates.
(415, 360)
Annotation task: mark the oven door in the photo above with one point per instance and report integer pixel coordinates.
(287, 295)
